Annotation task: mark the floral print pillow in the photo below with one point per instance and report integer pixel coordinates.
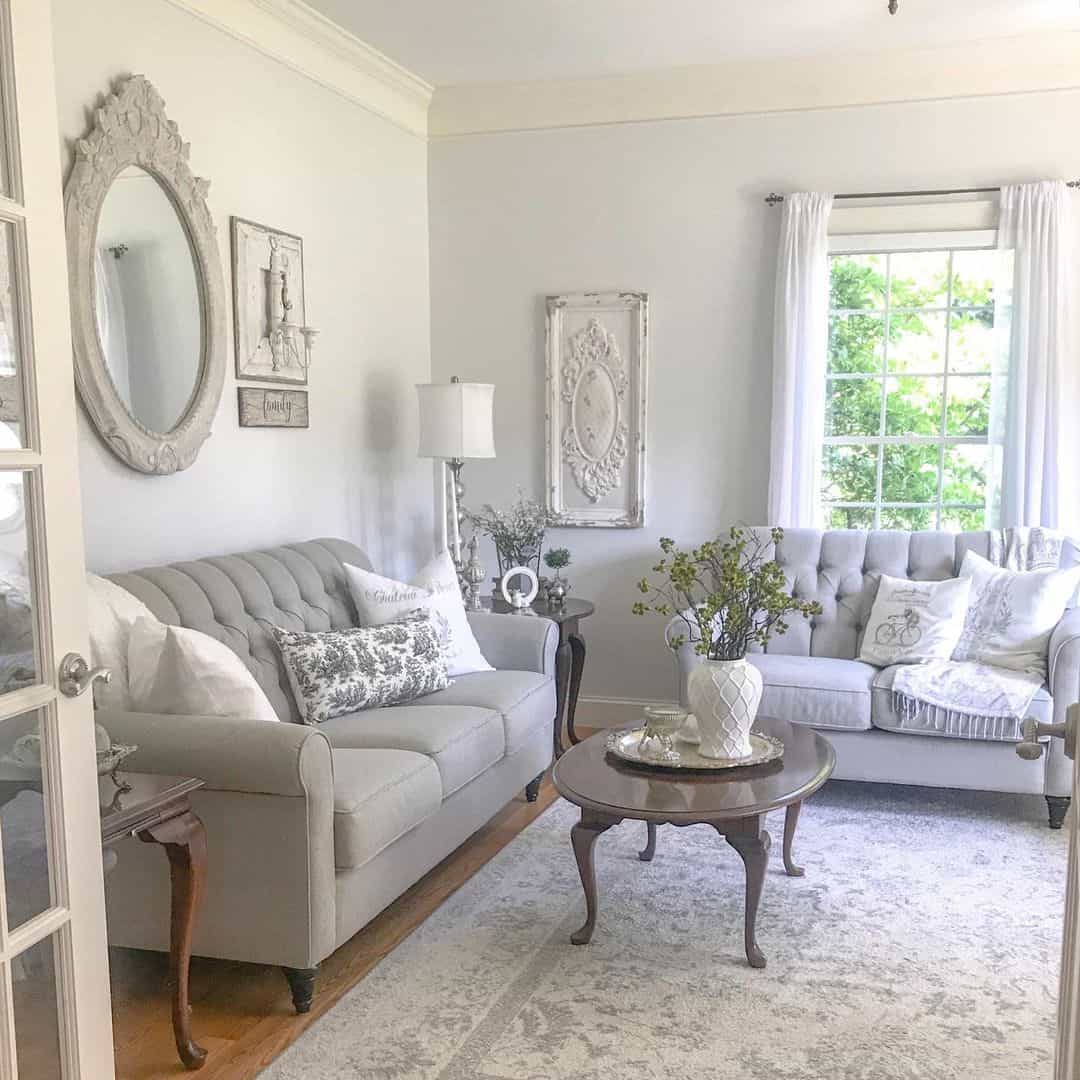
(335, 672)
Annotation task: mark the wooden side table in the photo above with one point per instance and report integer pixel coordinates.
(569, 659)
(157, 810)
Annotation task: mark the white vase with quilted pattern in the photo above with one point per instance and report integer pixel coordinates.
(724, 696)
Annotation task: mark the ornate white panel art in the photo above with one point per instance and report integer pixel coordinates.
(597, 349)
(262, 355)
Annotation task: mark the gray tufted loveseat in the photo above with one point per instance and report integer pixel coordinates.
(311, 831)
(812, 676)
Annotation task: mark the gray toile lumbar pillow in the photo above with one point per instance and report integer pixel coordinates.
(334, 672)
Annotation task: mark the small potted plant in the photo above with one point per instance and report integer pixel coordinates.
(730, 595)
(517, 533)
(557, 559)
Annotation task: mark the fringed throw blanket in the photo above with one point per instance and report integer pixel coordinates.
(974, 700)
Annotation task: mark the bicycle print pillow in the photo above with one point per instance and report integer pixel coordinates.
(913, 621)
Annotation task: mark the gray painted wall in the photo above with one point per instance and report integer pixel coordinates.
(355, 188)
(674, 208)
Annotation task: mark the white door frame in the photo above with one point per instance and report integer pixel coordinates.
(76, 918)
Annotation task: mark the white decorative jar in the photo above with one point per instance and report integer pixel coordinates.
(724, 696)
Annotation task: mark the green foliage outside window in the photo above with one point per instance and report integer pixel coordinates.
(903, 349)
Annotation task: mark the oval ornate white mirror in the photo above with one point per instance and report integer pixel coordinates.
(148, 300)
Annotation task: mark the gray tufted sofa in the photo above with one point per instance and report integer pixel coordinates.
(812, 676)
(312, 831)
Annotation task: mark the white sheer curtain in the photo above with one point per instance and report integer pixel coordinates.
(800, 344)
(1042, 407)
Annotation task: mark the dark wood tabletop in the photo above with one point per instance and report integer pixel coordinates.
(567, 610)
(139, 802)
(590, 777)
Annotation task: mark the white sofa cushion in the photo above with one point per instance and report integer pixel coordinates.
(524, 699)
(379, 795)
(112, 611)
(1011, 614)
(925, 721)
(912, 621)
(177, 671)
(463, 742)
(818, 691)
(435, 588)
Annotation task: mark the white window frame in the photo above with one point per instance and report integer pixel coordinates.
(888, 243)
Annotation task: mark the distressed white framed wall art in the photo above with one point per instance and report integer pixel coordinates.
(257, 303)
(597, 359)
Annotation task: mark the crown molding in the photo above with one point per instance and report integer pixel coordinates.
(1026, 64)
(296, 35)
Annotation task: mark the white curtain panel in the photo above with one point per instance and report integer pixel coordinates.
(1043, 402)
(800, 344)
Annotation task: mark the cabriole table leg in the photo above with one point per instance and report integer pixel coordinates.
(184, 840)
(753, 846)
(583, 838)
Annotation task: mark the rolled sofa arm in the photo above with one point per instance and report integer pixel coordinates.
(268, 809)
(1064, 657)
(252, 756)
(516, 642)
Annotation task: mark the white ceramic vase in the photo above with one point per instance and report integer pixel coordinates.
(724, 696)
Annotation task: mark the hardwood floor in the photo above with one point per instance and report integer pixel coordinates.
(242, 1013)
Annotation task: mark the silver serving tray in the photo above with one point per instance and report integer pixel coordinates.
(627, 746)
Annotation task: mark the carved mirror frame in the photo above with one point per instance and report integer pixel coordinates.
(131, 128)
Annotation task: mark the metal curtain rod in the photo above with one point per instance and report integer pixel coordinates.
(773, 199)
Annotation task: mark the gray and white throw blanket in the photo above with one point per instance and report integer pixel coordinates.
(972, 700)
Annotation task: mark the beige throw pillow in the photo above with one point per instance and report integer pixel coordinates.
(177, 671)
(380, 600)
(113, 611)
(1011, 614)
(913, 621)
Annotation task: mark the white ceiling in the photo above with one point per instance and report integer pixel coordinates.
(470, 41)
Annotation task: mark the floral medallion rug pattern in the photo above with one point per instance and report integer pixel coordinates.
(922, 944)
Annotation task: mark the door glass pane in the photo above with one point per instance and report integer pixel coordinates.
(28, 879)
(36, 994)
(11, 399)
(18, 647)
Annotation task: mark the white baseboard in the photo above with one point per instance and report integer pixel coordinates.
(611, 712)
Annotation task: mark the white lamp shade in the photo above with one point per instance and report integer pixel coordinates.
(457, 420)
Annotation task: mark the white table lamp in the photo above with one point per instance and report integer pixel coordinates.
(457, 422)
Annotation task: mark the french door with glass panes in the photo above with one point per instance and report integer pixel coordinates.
(54, 988)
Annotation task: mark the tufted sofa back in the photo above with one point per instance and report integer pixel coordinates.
(840, 568)
(238, 598)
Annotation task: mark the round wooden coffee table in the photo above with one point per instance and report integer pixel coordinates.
(732, 801)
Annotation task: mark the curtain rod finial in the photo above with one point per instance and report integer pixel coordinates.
(773, 199)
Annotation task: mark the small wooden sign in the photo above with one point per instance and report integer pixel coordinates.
(272, 408)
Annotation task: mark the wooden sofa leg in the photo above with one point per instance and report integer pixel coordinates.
(302, 984)
(1059, 807)
(532, 789)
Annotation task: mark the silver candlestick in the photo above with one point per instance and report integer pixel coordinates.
(474, 575)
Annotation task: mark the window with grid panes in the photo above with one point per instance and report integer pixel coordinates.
(915, 339)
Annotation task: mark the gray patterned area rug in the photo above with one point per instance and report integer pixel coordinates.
(921, 945)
